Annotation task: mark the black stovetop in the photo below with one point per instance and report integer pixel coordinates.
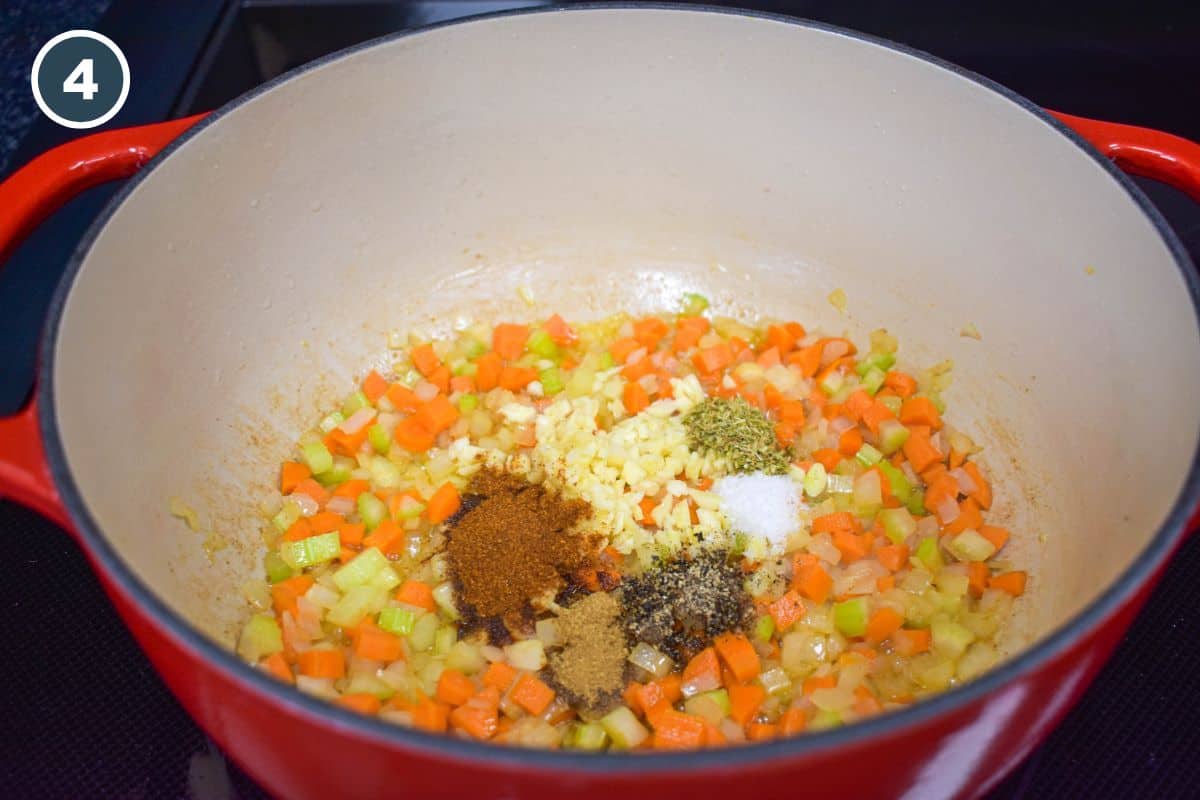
(83, 715)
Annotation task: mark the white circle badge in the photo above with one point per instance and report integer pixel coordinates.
(80, 79)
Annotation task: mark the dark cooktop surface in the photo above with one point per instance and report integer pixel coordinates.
(83, 715)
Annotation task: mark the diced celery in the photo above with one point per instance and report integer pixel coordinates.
(832, 382)
(356, 604)
(720, 697)
(693, 304)
(815, 480)
(286, 516)
(824, 720)
(260, 637)
(331, 421)
(928, 555)
(898, 524)
(277, 568)
(384, 473)
(338, 473)
(360, 569)
(872, 381)
(397, 620)
(317, 457)
(950, 638)
(764, 629)
(467, 368)
(465, 657)
(892, 436)
(444, 639)
(539, 342)
(876, 360)
(468, 403)
(354, 402)
(850, 616)
(897, 481)
(423, 632)
(409, 508)
(707, 706)
(892, 403)
(378, 436)
(868, 456)
(953, 583)
(916, 502)
(371, 509)
(551, 380)
(624, 728)
(386, 579)
(970, 545)
(606, 361)
(443, 595)
(367, 683)
(312, 550)
(588, 736)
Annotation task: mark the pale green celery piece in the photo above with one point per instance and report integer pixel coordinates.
(693, 304)
(286, 516)
(842, 394)
(469, 369)
(929, 556)
(277, 568)
(360, 569)
(423, 632)
(876, 361)
(371, 509)
(260, 638)
(892, 436)
(815, 480)
(539, 342)
(354, 402)
(868, 456)
(970, 545)
(378, 436)
(892, 403)
(551, 380)
(589, 736)
(317, 456)
(832, 382)
(824, 720)
(312, 550)
(384, 473)
(898, 524)
(624, 728)
(338, 473)
(848, 468)
(444, 639)
(386, 579)
(850, 616)
(367, 683)
(397, 620)
(720, 697)
(472, 348)
(938, 403)
(872, 381)
(457, 365)
(466, 658)
(409, 508)
(764, 628)
(355, 604)
(468, 403)
(897, 481)
(916, 501)
(331, 421)
(606, 361)
(950, 638)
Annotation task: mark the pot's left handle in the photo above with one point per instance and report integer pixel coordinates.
(31, 194)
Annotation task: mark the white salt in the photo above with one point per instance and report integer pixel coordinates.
(767, 506)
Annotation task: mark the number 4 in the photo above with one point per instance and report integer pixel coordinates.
(80, 80)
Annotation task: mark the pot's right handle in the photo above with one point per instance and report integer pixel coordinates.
(31, 194)
(1142, 151)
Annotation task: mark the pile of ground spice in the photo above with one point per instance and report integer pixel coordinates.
(512, 543)
(589, 665)
(680, 606)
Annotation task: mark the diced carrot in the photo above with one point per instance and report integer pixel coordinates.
(769, 358)
(827, 457)
(374, 386)
(509, 340)
(710, 360)
(517, 378)
(744, 702)
(836, 521)
(791, 411)
(903, 384)
(977, 576)
(352, 488)
(374, 644)
(417, 593)
(454, 688)
(852, 546)
(325, 521)
(996, 535)
(276, 665)
(738, 654)
(622, 348)
(688, 332)
(787, 610)
(568, 363)
(885, 583)
(920, 411)
(894, 557)
(670, 687)
(703, 668)
(850, 442)
(676, 730)
(857, 403)
(650, 331)
(300, 529)
(713, 736)
(441, 379)
(430, 715)
(412, 435)
(920, 452)
(1011, 582)
(983, 489)
(815, 682)
(807, 359)
(388, 536)
(792, 722)
(402, 398)
(463, 384)
(812, 581)
(291, 474)
(361, 702)
(883, 623)
(316, 491)
(443, 504)
(284, 593)
(940, 488)
(560, 332)
(969, 516)
(646, 505)
(424, 359)
(908, 642)
(835, 348)
(876, 413)
(321, 663)
(634, 397)
(761, 731)
(957, 457)
(479, 723)
(498, 675)
(438, 414)
(531, 694)
(780, 337)
(634, 370)
(487, 371)
(785, 433)
(345, 444)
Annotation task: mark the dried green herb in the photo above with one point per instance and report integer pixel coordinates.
(738, 432)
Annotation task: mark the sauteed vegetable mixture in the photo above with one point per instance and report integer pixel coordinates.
(664, 532)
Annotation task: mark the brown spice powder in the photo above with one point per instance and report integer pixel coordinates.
(513, 544)
(589, 667)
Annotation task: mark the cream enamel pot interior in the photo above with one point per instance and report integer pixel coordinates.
(613, 159)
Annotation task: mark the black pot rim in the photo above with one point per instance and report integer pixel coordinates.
(469, 753)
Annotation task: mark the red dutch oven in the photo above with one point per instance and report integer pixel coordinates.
(611, 158)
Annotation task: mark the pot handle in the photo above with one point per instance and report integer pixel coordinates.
(31, 194)
(1143, 151)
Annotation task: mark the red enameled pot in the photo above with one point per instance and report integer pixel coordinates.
(612, 158)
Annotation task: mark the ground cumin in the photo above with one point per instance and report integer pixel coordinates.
(513, 543)
(589, 666)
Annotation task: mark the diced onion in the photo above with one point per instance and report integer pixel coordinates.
(966, 484)
(358, 420)
(858, 578)
(822, 547)
(340, 504)
(547, 632)
(306, 504)
(425, 391)
(947, 510)
(651, 659)
(839, 425)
